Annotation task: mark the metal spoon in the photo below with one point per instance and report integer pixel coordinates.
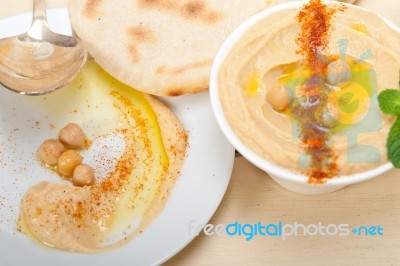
(40, 61)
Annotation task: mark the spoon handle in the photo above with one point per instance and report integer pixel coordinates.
(39, 10)
(39, 28)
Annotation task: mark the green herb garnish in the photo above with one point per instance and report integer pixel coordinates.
(393, 144)
(389, 103)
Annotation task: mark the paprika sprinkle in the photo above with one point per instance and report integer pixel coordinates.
(308, 110)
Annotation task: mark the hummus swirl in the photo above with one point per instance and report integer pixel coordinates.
(110, 213)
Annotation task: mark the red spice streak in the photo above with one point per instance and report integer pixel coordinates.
(315, 20)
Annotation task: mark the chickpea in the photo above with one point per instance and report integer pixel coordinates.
(50, 150)
(83, 176)
(72, 136)
(339, 73)
(278, 98)
(68, 161)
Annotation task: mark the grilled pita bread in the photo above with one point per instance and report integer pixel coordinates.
(161, 47)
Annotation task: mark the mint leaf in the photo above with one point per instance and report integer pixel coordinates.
(393, 144)
(389, 101)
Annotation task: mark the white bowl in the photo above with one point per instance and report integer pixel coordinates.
(283, 176)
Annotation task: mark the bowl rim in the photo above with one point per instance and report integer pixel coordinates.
(262, 163)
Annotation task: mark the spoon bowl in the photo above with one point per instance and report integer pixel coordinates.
(40, 61)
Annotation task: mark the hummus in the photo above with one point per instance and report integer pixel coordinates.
(135, 188)
(267, 57)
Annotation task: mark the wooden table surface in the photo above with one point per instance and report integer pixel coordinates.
(252, 196)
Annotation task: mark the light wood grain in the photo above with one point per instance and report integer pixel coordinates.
(252, 196)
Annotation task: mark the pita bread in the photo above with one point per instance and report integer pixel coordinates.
(161, 47)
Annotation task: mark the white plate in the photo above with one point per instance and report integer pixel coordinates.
(195, 198)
